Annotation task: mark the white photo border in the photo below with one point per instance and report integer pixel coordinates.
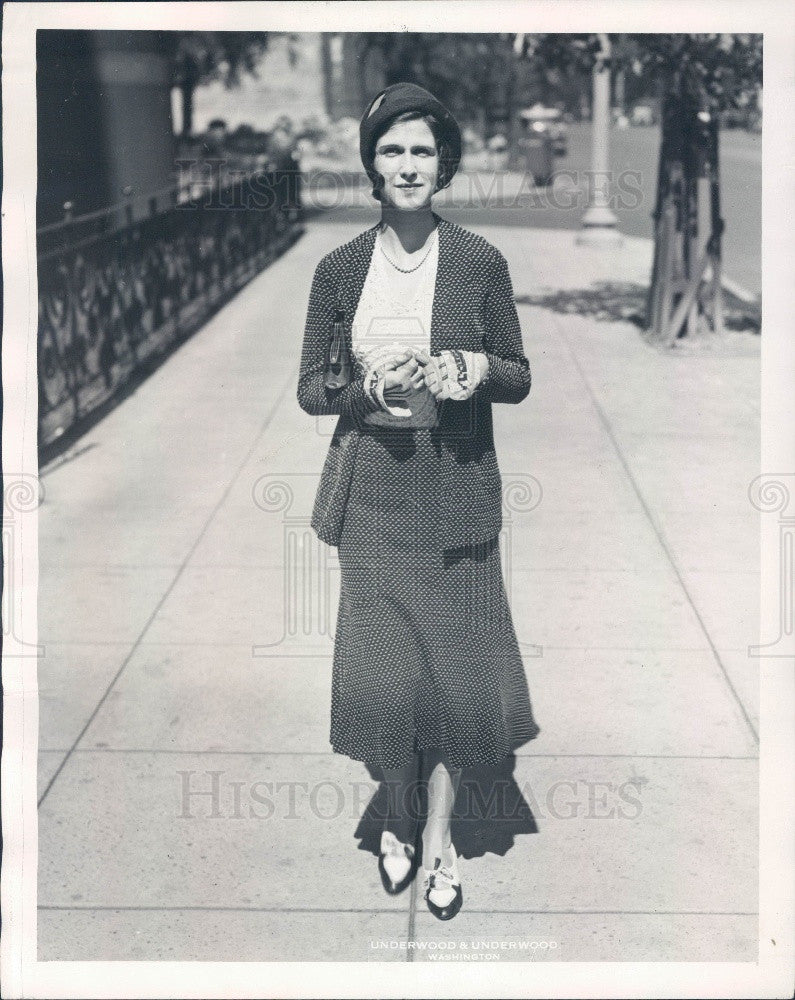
(22, 974)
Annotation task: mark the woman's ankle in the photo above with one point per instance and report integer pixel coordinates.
(437, 848)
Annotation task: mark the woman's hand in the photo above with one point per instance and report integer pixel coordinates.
(389, 377)
(398, 381)
(452, 374)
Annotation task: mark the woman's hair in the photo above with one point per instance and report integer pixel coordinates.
(443, 150)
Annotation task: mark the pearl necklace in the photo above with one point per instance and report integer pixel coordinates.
(406, 270)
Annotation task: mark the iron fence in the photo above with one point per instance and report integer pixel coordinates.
(119, 289)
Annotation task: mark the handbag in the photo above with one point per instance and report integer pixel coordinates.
(331, 499)
(337, 372)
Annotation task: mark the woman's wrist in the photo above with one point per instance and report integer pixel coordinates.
(455, 374)
(482, 367)
(374, 388)
(375, 392)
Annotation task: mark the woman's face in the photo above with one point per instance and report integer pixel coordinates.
(407, 159)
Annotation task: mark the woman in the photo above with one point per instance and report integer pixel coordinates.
(426, 660)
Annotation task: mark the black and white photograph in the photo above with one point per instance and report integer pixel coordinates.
(399, 499)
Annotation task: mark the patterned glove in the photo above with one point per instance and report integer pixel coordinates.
(453, 374)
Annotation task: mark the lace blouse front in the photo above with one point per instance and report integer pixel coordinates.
(394, 311)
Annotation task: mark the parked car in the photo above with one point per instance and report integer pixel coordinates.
(546, 121)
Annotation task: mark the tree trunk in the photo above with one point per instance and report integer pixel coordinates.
(186, 91)
(668, 145)
(190, 79)
(328, 80)
(364, 55)
(680, 192)
(618, 92)
(510, 96)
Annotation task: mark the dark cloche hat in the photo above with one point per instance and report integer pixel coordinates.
(396, 100)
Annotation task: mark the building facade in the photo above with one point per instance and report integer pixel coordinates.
(104, 118)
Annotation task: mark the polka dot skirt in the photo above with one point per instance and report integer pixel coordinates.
(425, 652)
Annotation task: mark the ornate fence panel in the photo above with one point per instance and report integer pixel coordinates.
(120, 289)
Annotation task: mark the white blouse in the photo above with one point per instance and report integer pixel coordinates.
(395, 311)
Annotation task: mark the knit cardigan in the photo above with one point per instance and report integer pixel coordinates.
(473, 310)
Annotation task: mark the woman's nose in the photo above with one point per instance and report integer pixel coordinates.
(408, 168)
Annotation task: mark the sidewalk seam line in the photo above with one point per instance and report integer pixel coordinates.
(628, 472)
(315, 656)
(412, 924)
(162, 752)
(274, 909)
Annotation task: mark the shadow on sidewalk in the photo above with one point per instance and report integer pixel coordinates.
(490, 811)
(613, 301)
(606, 301)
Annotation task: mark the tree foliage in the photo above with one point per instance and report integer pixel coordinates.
(723, 70)
(482, 71)
(203, 56)
(469, 73)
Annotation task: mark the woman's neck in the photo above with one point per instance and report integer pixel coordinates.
(406, 232)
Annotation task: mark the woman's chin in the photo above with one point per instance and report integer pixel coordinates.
(410, 203)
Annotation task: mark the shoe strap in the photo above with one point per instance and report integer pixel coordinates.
(440, 877)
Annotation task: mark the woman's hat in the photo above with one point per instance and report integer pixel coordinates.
(396, 100)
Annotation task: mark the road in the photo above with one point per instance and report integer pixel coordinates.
(633, 155)
(637, 149)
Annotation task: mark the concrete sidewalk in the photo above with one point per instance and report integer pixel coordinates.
(193, 809)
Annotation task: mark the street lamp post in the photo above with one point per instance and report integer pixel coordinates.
(599, 222)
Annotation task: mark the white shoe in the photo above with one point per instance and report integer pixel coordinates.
(442, 886)
(396, 863)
